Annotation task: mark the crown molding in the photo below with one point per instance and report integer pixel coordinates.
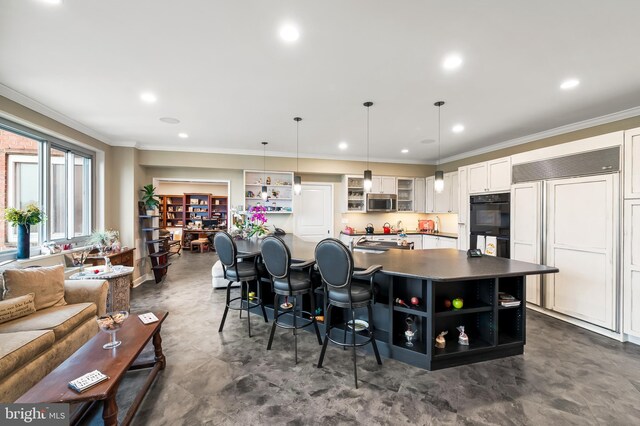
(36, 106)
(580, 125)
(258, 153)
(126, 144)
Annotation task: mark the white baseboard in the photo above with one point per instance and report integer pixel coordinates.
(582, 324)
(631, 339)
(142, 279)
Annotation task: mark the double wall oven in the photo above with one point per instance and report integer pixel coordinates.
(490, 222)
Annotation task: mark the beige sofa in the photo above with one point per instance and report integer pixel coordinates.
(33, 345)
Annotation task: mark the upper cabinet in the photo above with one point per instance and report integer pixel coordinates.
(420, 194)
(383, 185)
(279, 189)
(463, 195)
(490, 176)
(430, 194)
(354, 194)
(447, 200)
(632, 163)
(406, 194)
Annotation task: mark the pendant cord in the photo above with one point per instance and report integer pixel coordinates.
(439, 136)
(264, 162)
(297, 146)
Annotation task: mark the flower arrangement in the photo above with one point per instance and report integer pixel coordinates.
(30, 215)
(103, 239)
(256, 222)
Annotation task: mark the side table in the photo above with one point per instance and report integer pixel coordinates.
(119, 285)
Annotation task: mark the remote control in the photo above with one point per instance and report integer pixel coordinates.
(83, 383)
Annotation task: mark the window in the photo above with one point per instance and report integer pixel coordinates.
(54, 174)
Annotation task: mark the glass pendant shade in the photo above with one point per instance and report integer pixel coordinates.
(439, 181)
(264, 194)
(368, 182)
(297, 185)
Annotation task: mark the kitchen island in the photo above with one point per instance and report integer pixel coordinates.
(434, 276)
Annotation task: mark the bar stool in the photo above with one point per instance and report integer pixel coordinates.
(289, 280)
(335, 263)
(241, 272)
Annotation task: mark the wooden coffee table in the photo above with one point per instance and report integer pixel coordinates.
(114, 363)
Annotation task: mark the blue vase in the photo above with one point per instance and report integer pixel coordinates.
(24, 245)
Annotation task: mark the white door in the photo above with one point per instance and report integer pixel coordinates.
(419, 197)
(314, 212)
(632, 267)
(453, 200)
(388, 185)
(463, 237)
(463, 195)
(581, 236)
(376, 185)
(444, 242)
(477, 178)
(632, 163)
(526, 237)
(429, 242)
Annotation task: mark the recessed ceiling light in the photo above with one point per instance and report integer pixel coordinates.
(148, 97)
(169, 120)
(570, 84)
(183, 135)
(405, 151)
(458, 128)
(289, 33)
(343, 145)
(452, 62)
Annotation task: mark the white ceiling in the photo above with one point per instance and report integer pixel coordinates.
(222, 69)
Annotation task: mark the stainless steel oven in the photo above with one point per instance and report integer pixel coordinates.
(382, 202)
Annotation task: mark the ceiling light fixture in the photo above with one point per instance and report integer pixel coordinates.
(148, 97)
(452, 62)
(343, 145)
(570, 84)
(169, 120)
(297, 180)
(439, 180)
(183, 135)
(289, 33)
(368, 182)
(405, 151)
(263, 193)
(458, 128)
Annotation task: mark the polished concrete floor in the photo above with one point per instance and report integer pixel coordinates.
(566, 376)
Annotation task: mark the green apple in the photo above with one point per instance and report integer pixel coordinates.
(457, 303)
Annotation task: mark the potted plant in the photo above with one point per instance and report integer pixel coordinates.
(104, 239)
(149, 199)
(22, 219)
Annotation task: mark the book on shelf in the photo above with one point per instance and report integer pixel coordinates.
(507, 300)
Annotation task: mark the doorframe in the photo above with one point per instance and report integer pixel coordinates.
(331, 196)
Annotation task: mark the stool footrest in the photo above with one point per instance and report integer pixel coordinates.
(309, 321)
(252, 304)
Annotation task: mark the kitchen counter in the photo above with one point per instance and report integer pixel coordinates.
(415, 232)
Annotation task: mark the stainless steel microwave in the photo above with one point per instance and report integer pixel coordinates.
(382, 202)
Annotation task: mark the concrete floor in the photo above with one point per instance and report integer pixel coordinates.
(566, 376)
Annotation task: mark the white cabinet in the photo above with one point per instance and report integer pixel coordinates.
(435, 241)
(490, 176)
(463, 195)
(526, 229)
(416, 240)
(463, 236)
(447, 200)
(420, 196)
(406, 194)
(354, 194)
(632, 267)
(383, 185)
(632, 163)
(430, 193)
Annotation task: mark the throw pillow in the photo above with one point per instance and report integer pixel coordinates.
(17, 307)
(46, 282)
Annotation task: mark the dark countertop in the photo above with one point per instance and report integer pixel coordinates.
(439, 234)
(436, 264)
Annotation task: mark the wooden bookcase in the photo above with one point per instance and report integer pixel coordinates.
(196, 208)
(220, 210)
(172, 211)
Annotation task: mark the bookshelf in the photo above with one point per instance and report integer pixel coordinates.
(196, 208)
(171, 211)
(279, 187)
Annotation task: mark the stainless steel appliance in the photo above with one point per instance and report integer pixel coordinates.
(490, 220)
(382, 202)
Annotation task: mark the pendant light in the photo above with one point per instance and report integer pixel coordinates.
(297, 180)
(439, 179)
(264, 194)
(367, 183)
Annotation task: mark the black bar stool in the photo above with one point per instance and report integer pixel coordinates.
(289, 280)
(335, 262)
(242, 272)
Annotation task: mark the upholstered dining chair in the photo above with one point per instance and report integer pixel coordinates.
(335, 263)
(242, 269)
